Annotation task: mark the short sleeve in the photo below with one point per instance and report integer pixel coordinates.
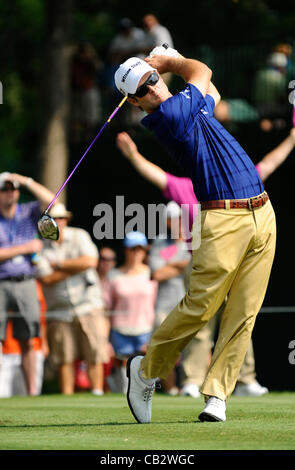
(179, 189)
(258, 169)
(180, 111)
(86, 245)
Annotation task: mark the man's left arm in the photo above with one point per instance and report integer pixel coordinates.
(271, 161)
(212, 91)
(39, 191)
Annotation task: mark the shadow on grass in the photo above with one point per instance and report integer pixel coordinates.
(23, 426)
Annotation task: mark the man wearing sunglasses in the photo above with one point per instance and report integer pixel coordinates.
(238, 231)
(18, 243)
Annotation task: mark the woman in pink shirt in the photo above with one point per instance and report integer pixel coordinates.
(132, 297)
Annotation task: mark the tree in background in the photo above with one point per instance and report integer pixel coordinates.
(53, 154)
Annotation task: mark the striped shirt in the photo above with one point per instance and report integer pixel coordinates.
(216, 163)
(16, 231)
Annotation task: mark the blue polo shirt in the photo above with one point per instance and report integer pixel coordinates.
(216, 163)
(16, 231)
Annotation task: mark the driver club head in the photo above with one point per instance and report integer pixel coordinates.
(47, 227)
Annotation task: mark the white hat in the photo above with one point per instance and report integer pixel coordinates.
(5, 176)
(59, 210)
(129, 74)
(173, 210)
(278, 59)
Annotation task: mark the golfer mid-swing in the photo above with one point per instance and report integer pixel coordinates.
(238, 230)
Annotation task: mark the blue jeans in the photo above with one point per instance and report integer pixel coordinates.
(125, 345)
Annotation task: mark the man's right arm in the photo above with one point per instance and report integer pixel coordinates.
(191, 70)
(147, 169)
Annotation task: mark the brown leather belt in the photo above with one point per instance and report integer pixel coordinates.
(251, 203)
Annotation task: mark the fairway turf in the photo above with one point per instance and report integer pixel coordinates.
(87, 422)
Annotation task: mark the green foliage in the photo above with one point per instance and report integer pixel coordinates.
(21, 24)
(220, 31)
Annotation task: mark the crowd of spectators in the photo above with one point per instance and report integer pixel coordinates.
(94, 94)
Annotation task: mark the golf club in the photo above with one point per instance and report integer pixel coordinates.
(47, 226)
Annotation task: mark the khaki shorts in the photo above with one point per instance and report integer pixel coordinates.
(83, 338)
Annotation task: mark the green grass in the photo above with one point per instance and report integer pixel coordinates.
(86, 422)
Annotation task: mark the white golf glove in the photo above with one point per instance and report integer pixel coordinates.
(161, 50)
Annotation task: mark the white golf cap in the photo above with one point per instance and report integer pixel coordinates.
(5, 176)
(129, 74)
(278, 59)
(59, 210)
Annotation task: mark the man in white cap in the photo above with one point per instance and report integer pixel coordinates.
(18, 243)
(76, 325)
(238, 233)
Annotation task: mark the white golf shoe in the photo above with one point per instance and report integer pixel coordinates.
(214, 410)
(254, 389)
(140, 391)
(190, 390)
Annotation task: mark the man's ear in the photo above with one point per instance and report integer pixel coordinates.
(133, 101)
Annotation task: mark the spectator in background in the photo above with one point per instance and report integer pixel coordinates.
(86, 97)
(168, 260)
(271, 92)
(234, 111)
(157, 35)
(11, 377)
(18, 244)
(132, 297)
(107, 261)
(287, 49)
(129, 40)
(76, 325)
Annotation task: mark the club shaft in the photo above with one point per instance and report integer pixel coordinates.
(85, 153)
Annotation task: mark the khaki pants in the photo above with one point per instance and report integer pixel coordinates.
(196, 356)
(234, 260)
